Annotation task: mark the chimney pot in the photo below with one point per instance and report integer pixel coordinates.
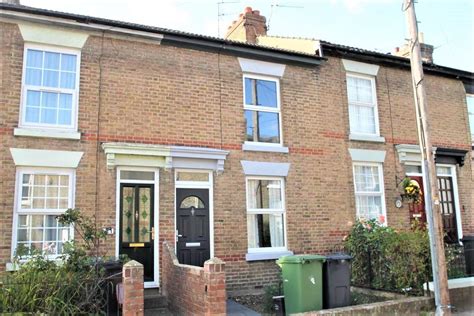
(397, 49)
(248, 10)
(256, 12)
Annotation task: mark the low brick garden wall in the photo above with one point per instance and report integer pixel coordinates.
(192, 290)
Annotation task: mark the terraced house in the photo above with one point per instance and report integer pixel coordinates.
(241, 151)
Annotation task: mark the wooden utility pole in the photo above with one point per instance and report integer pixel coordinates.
(435, 227)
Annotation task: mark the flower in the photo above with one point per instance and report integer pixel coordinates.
(381, 219)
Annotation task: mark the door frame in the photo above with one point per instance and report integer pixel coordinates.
(454, 177)
(196, 185)
(457, 205)
(156, 194)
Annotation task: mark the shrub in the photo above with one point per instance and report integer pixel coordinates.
(389, 260)
(76, 284)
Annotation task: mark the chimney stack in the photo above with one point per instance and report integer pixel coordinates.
(247, 27)
(426, 50)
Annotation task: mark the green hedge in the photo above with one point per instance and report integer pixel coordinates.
(386, 259)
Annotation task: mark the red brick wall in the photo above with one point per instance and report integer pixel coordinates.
(135, 91)
(133, 291)
(193, 290)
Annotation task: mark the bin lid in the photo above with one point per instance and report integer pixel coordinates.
(338, 257)
(300, 259)
(468, 238)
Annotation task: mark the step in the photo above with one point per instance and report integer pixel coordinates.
(153, 299)
(157, 311)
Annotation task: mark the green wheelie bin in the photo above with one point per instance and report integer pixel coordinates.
(302, 282)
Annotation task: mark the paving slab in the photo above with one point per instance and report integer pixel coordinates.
(236, 309)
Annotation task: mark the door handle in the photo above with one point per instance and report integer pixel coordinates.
(179, 235)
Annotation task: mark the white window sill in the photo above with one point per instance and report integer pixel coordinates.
(10, 266)
(267, 148)
(258, 256)
(30, 132)
(367, 138)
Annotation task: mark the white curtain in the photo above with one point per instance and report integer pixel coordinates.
(252, 224)
(275, 220)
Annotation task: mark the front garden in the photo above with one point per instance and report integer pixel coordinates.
(76, 284)
(383, 259)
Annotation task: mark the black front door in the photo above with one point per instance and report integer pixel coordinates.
(136, 225)
(192, 216)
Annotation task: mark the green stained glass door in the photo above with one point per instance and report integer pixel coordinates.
(136, 225)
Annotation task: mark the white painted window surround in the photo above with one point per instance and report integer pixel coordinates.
(45, 133)
(45, 158)
(362, 99)
(56, 36)
(367, 155)
(261, 67)
(257, 168)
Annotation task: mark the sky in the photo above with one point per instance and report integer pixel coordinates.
(377, 25)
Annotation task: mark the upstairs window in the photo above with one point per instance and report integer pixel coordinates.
(262, 109)
(470, 111)
(363, 114)
(50, 87)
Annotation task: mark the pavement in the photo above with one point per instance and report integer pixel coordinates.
(236, 309)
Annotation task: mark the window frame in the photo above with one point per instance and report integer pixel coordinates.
(470, 114)
(256, 211)
(74, 92)
(257, 108)
(381, 184)
(18, 195)
(374, 104)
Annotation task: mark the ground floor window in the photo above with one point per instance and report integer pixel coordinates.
(265, 214)
(369, 191)
(42, 195)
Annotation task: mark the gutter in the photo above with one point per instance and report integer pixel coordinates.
(166, 36)
(243, 50)
(401, 62)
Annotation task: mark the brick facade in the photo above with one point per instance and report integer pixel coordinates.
(140, 92)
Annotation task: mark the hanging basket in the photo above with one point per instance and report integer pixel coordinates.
(411, 191)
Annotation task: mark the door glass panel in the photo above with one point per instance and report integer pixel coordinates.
(192, 201)
(137, 175)
(128, 210)
(192, 176)
(144, 215)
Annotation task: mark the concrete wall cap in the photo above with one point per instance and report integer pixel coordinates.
(132, 264)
